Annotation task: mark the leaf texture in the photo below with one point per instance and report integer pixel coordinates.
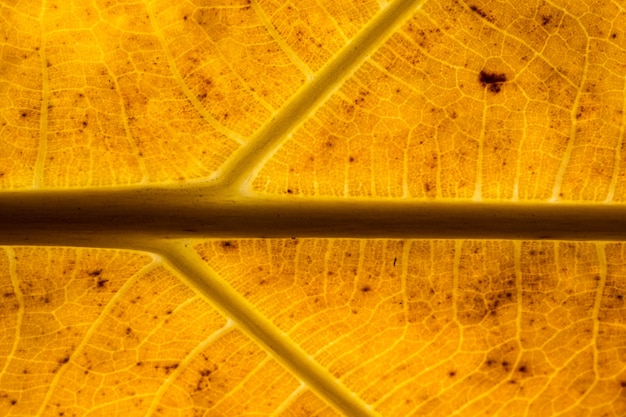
(148, 150)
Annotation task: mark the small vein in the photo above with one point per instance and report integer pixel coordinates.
(271, 29)
(558, 181)
(458, 245)
(227, 397)
(289, 400)
(104, 314)
(42, 148)
(129, 134)
(481, 146)
(184, 364)
(322, 6)
(187, 91)
(517, 256)
(595, 316)
(326, 258)
(20, 301)
(618, 152)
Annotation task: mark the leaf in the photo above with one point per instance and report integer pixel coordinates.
(312, 208)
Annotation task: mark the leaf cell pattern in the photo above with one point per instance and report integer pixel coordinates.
(450, 101)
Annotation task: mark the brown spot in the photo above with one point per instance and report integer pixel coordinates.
(492, 80)
(452, 374)
(102, 282)
(228, 245)
(170, 368)
(545, 20)
(95, 272)
(64, 360)
(479, 12)
(289, 191)
(366, 288)
(622, 384)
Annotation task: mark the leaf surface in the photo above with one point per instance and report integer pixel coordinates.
(312, 208)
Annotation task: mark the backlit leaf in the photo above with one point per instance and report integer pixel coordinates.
(359, 208)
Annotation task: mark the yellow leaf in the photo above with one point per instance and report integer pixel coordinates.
(358, 208)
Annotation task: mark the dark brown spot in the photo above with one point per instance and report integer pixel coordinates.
(622, 384)
(170, 368)
(492, 80)
(102, 283)
(452, 373)
(479, 12)
(366, 288)
(95, 272)
(545, 20)
(228, 245)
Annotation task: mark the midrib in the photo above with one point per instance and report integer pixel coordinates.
(126, 217)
